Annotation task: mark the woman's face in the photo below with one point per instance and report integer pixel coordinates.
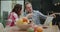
(19, 11)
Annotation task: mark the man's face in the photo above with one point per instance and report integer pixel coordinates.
(29, 8)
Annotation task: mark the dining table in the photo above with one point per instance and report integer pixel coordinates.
(53, 28)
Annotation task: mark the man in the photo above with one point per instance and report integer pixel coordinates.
(32, 14)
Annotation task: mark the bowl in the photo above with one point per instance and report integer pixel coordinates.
(23, 26)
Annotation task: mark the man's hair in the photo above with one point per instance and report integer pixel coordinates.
(27, 3)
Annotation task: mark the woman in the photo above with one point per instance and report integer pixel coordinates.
(14, 15)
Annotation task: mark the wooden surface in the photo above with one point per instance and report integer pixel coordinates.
(49, 29)
(52, 29)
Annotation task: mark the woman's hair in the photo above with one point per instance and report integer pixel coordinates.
(16, 9)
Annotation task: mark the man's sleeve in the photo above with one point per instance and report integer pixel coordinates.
(42, 16)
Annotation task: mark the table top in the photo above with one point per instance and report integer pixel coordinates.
(51, 29)
(54, 28)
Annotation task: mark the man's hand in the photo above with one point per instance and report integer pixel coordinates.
(53, 15)
(29, 15)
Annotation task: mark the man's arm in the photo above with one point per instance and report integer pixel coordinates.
(45, 16)
(42, 15)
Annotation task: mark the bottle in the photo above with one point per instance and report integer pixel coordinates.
(50, 24)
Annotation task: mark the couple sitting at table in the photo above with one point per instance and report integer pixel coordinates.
(30, 14)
